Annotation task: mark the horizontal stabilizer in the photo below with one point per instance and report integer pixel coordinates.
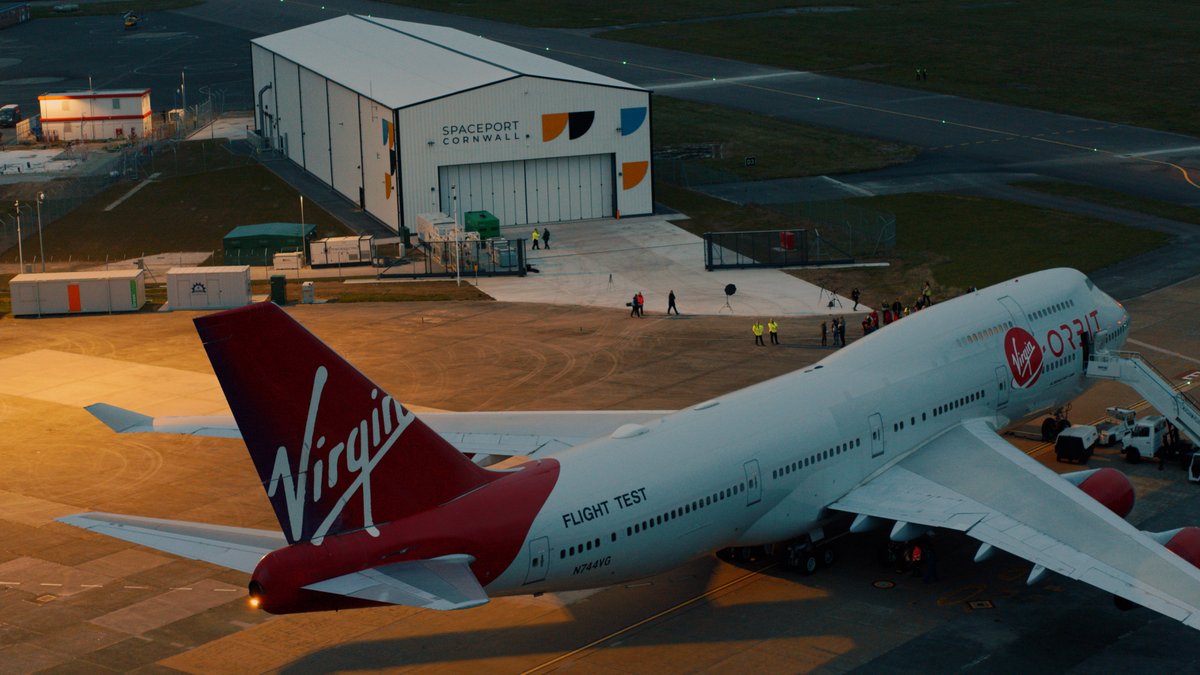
(237, 548)
(439, 583)
(125, 421)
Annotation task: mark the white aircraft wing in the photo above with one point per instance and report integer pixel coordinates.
(503, 434)
(237, 548)
(439, 583)
(970, 479)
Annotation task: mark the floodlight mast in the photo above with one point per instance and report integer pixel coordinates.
(41, 196)
(20, 248)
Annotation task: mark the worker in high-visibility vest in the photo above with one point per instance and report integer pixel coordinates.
(535, 237)
(773, 328)
(758, 331)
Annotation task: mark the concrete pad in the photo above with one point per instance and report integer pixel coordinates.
(39, 577)
(124, 563)
(603, 263)
(79, 380)
(29, 510)
(167, 608)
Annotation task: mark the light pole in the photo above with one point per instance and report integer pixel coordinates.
(41, 196)
(20, 248)
(301, 249)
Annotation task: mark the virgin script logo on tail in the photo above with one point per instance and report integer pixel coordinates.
(1024, 357)
(365, 445)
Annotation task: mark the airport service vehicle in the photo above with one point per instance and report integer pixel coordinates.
(1147, 436)
(10, 115)
(379, 506)
(1076, 443)
(1118, 425)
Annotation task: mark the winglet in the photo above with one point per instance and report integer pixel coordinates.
(121, 420)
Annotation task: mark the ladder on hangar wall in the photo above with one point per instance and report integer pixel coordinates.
(1129, 368)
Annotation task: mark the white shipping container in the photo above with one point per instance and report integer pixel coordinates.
(341, 251)
(434, 227)
(78, 292)
(288, 261)
(208, 287)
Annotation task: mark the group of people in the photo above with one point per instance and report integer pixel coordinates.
(838, 328)
(638, 304)
(887, 313)
(542, 238)
(772, 329)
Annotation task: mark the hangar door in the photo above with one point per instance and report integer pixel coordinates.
(532, 190)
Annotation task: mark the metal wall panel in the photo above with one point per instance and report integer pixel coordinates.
(462, 129)
(315, 111)
(347, 142)
(287, 95)
(377, 172)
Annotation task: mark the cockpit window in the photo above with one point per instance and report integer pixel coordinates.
(1090, 285)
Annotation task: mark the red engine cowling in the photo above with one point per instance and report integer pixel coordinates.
(1184, 542)
(1107, 486)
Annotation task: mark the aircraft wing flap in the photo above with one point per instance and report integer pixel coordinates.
(970, 479)
(438, 583)
(237, 548)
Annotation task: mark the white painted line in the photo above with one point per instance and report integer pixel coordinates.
(129, 194)
(10, 583)
(227, 590)
(181, 588)
(91, 585)
(722, 81)
(140, 588)
(1160, 350)
(852, 189)
(1184, 148)
(49, 584)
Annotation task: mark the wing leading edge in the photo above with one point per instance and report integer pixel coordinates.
(970, 479)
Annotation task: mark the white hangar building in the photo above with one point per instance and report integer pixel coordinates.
(392, 114)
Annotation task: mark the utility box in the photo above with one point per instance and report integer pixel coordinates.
(341, 251)
(308, 293)
(483, 222)
(208, 287)
(78, 292)
(279, 289)
(287, 261)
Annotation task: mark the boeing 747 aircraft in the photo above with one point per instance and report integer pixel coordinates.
(897, 430)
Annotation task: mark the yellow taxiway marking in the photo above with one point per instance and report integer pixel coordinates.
(647, 620)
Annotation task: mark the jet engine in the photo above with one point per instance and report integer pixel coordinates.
(1107, 486)
(1183, 542)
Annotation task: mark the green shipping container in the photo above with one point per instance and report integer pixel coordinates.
(483, 222)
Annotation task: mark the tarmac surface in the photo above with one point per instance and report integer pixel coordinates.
(72, 601)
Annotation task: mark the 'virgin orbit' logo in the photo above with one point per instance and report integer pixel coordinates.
(1024, 356)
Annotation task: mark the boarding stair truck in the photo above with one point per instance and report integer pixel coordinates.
(1178, 407)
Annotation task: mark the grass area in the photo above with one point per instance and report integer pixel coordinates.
(586, 13)
(950, 240)
(1120, 200)
(181, 211)
(781, 149)
(1121, 62)
(105, 8)
(953, 240)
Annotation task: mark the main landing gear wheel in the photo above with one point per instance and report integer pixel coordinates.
(1132, 455)
(808, 563)
(1049, 428)
(827, 557)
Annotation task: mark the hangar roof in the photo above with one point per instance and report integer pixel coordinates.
(400, 63)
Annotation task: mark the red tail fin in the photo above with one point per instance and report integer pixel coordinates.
(333, 451)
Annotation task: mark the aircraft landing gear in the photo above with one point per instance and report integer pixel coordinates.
(805, 556)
